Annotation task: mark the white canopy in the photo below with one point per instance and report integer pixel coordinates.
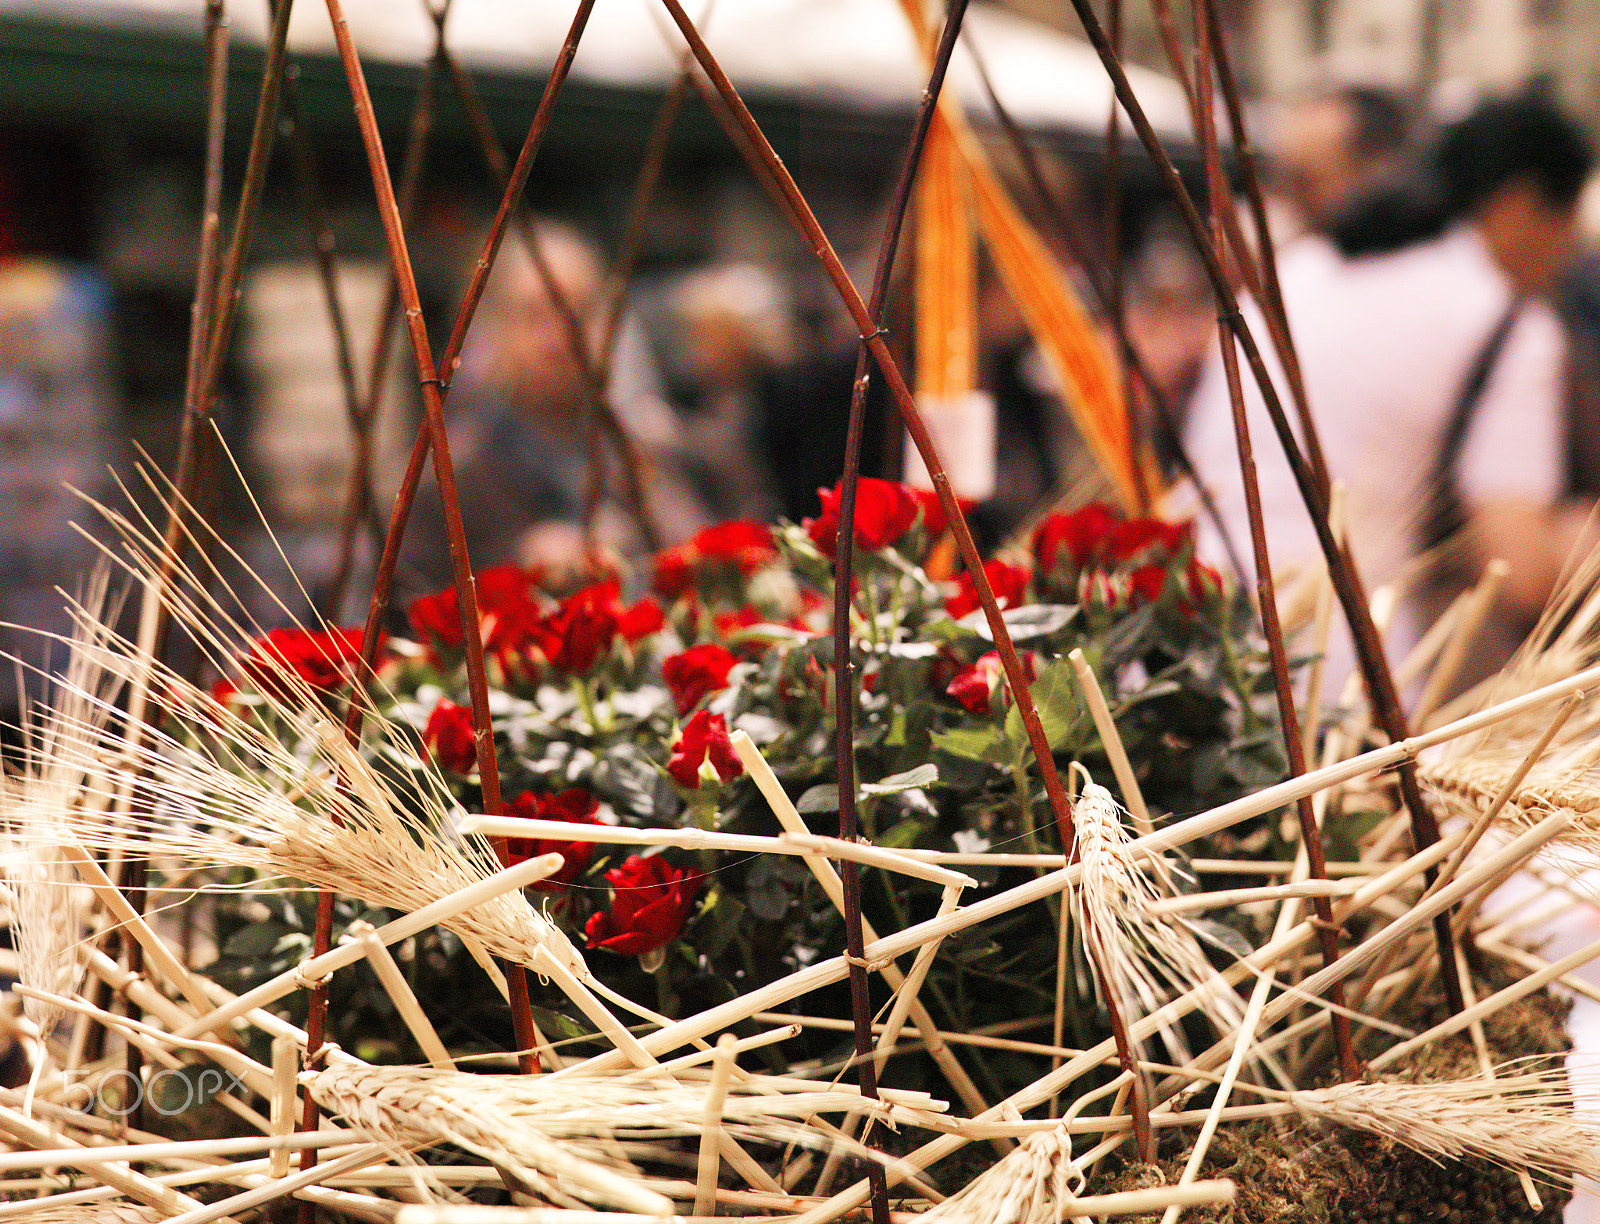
(848, 53)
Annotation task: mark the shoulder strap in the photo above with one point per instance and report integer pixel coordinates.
(1447, 516)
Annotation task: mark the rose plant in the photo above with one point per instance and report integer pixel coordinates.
(617, 711)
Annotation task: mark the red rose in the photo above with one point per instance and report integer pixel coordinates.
(449, 737)
(934, 520)
(747, 545)
(705, 734)
(885, 511)
(1201, 584)
(1098, 589)
(574, 636)
(698, 671)
(739, 543)
(436, 619)
(1009, 582)
(1084, 534)
(674, 572)
(1130, 539)
(1146, 582)
(641, 620)
(974, 688)
(575, 806)
(649, 906)
(502, 586)
(729, 623)
(323, 659)
(506, 609)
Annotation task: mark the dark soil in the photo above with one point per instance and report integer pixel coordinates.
(1334, 1175)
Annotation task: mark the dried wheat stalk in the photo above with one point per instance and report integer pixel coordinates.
(1520, 1121)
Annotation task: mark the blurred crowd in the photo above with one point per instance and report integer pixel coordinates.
(1443, 308)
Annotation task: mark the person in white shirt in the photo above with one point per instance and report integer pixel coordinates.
(1391, 313)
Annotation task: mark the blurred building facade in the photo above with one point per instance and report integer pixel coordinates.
(1419, 46)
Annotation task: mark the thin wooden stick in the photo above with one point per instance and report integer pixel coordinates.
(1294, 743)
(862, 317)
(401, 994)
(844, 685)
(792, 843)
(1322, 623)
(418, 135)
(1229, 897)
(772, 790)
(163, 1150)
(1496, 1001)
(279, 1187)
(433, 404)
(1463, 633)
(1341, 568)
(906, 995)
(134, 1185)
(593, 364)
(505, 880)
(1081, 249)
(285, 1067)
(1127, 781)
(705, 1196)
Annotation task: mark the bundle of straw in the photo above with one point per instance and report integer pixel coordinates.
(562, 1131)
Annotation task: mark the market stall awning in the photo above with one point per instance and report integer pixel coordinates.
(854, 55)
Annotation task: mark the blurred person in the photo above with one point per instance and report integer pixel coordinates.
(518, 422)
(734, 326)
(1330, 146)
(1171, 320)
(1433, 367)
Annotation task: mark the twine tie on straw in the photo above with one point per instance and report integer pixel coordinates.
(875, 965)
(310, 983)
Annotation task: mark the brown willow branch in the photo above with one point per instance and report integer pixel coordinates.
(412, 161)
(594, 367)
(357, 498)
(1342, 572)
(1256, 264)
(739, 138)
(1111, 241)
(308, 186)
(901, 394)
(1294, 745)
(383, 584)
(433, 393)
(1272, 292)
(1095, 274)
(844, 686)
(197, 408)
(433, 405)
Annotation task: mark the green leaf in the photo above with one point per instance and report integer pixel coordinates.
(925, 774)
(254, 941)
(555, 1024)
(1029, 622)
(985, 742)
(824, 797)
(1221, 935)
(1055, 694)
(903, 836)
